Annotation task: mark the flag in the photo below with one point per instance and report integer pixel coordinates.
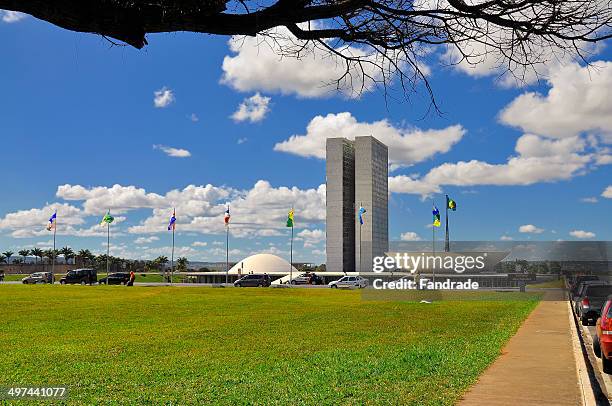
(107, 219)
(362, 211)
(52, 221)
(290, 218)
(227, 217)
(436, 216)
(451, 204)
(172, 224)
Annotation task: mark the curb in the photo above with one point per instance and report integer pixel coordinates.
(585, 383)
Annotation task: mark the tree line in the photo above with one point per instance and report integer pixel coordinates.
(86, 258)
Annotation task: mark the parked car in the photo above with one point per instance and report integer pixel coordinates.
(308, 278)
(37, 277)
(349, 282)
(593, 297)
(580, 292)
(117, 278)
(82, 276)
(253, 280)
(602, 342)
(578, 280)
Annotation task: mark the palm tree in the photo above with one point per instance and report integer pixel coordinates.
(2, 259)
(8, 255)
(86, 256)
(24, 253)
(181, 264)
(51, 254)
(161, 261)
(38, 253)
(67, 253)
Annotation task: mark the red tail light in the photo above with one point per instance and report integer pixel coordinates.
(585, 302)
(607, 324)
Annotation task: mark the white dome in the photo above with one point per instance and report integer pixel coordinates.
(261, 263)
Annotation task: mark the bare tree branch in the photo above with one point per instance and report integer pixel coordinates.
(393, 34)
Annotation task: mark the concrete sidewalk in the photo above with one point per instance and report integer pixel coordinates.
(537, 366)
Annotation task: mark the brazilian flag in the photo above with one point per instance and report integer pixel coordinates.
(107, 219)
(451, 204)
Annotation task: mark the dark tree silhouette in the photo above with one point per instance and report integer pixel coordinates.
(393, 34)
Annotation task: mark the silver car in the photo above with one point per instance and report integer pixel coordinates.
(37, 277)
(349, 282)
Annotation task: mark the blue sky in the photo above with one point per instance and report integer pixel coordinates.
(78, 116)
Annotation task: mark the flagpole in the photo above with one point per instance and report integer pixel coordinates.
(360, 256)
(446, 240)
(359, 214)
(172, 257)
(291, 255)
(433, 247)
(107, 249)
(226, 253)
(53, 265)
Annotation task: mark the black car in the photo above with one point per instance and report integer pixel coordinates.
(253, 280)
(117, 278)
(591, 300)
(82, 276)
(579, 279)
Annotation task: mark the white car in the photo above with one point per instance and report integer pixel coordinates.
(349, 282)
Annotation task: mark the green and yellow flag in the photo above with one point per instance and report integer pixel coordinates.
(107, 219)
(290, 218)
(451, 204)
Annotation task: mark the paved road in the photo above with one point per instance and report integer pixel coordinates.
(605, 380)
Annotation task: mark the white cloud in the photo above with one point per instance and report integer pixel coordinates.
(145, 240)
(33, 222)
(410, 236)
(261, 210)
(253, 109)
(407, 146)
(578, 101)
(257, 64)
(411, 185)
(532, 165)
(530, 229)
(194, 117)
(45, 244)
(582, 234)
(173, 152)
(199, 244)
(607, 193)
(311, 237)
(242, 140)
(119, 199)
(11, 16)
(589, 200)
(163, 97)
(506, 238)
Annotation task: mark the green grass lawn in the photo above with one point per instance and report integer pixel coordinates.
(181, 345)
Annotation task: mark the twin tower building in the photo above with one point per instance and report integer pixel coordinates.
(357, 176)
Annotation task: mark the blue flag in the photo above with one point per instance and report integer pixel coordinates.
(51, 224)
(172, 224)
(362, 211)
